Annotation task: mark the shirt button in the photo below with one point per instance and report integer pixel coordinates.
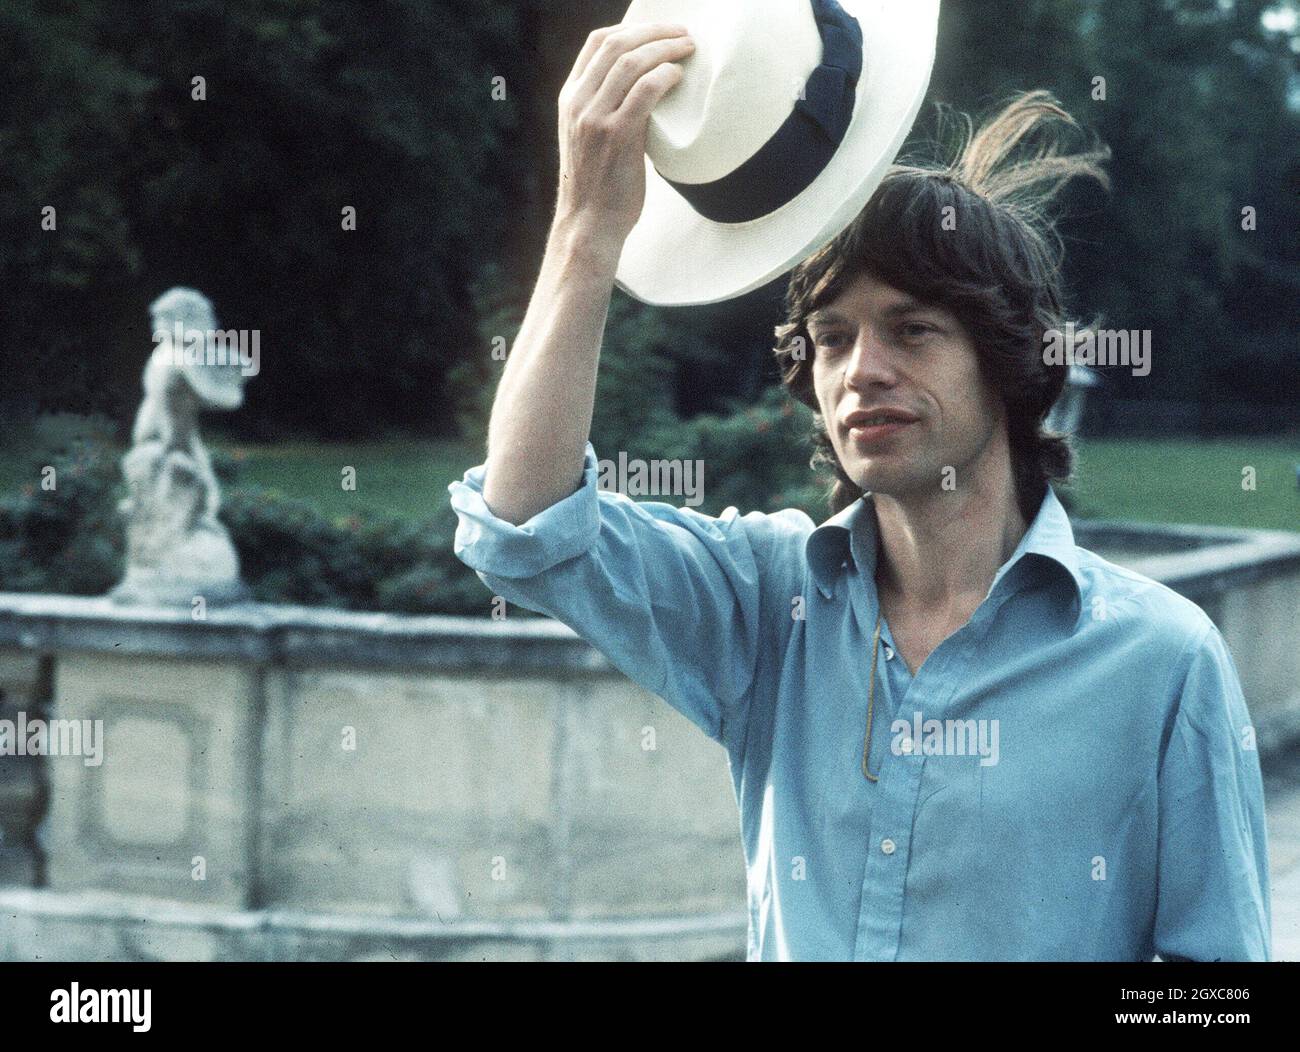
(889, 652)
(906, 746)
(887, 846)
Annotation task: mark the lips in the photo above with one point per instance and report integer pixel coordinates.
(867, 427)
(878, 417)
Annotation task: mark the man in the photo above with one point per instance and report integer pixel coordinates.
(953, 733)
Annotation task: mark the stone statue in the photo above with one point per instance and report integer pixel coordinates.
(176, 550)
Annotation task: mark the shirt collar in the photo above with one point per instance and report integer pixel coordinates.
(850, 535)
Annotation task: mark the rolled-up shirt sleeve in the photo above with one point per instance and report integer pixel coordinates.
(1213, 886)
(670, 596)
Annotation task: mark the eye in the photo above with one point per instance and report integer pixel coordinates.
(916, 330)
(830, 339)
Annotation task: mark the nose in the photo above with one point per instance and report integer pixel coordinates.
(870, 363)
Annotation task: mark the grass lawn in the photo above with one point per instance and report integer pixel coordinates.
(404, 478)
(1151, 481)
(1191, 482)
(400, 477)
(1178, 480)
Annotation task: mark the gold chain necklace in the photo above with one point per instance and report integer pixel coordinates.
(871, 700)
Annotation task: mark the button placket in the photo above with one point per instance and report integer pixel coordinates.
(880, 918)
(880, 915)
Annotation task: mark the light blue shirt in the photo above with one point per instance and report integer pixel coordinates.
(1104, 801)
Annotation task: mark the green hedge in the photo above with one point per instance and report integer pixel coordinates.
(70, 540)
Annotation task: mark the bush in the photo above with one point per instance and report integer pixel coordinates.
(290, 553)
(634, 386)
(61, 532)
(756, 458)
(70, 539)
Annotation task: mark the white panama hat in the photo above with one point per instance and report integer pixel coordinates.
(785, 121)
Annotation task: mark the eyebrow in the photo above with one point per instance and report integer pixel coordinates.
(907, 306)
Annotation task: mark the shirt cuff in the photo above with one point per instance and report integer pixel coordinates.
(491, 545)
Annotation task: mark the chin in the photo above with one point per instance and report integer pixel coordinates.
(886, 483)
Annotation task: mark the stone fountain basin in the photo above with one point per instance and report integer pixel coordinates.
(498, 803)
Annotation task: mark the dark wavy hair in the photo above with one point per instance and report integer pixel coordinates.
(995, 264)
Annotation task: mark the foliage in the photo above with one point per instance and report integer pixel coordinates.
(1195, 109)
(639, 353)
(315, 105)
(289, 553)
(755, 458)
(60, 531)
(309, 108)
(70, 538)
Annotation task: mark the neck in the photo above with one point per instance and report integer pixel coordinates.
(939, 551)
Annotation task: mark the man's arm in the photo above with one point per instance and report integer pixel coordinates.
(671, 597)
(674, 599)
(541, 418)
(1212, 886)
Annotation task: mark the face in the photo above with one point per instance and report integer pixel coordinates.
(900, 391)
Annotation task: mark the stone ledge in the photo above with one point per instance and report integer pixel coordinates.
(1278, 729)
(293, 636)
(1210, 559)
(180, 931)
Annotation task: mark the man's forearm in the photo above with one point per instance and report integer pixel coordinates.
(541, 417)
